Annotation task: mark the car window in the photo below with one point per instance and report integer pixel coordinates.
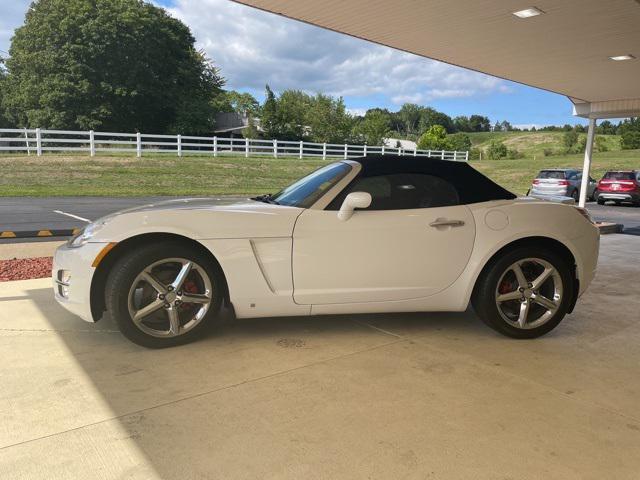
(553, 174)
(573, 175)
(403, 191)
(618, 176)
(306, 191)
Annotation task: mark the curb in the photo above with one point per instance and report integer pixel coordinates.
(67, 232)
(606, 227)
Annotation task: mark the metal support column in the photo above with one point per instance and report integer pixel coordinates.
(586, 168)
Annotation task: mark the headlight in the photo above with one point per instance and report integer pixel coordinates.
(84, 235)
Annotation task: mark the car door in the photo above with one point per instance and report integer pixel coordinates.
(413, 241)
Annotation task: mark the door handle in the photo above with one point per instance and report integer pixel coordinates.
(443, 222)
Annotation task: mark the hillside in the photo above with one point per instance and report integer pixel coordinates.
(533, 144)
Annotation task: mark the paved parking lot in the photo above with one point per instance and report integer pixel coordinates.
(31, 213)
(386, 396)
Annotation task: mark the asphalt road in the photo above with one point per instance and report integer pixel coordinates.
(33, 213)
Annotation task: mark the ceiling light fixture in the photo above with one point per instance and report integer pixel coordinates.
(620, 58)
(528, 12)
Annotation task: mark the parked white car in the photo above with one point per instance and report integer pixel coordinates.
(377, 234)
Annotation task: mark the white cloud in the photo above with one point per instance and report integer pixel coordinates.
(254, 48)
(357, 112)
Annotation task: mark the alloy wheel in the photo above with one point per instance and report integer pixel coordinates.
(170, 297)
(529, 293)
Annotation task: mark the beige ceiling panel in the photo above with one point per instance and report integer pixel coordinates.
(566, 50)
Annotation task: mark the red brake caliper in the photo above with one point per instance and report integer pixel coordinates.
(189, 286)
(505, 287)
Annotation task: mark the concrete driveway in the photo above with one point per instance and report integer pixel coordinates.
(388, 396)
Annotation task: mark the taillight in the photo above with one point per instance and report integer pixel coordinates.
(536, 181)
(564, 183)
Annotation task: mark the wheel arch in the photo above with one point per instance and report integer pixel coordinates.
(99, 280)
(536, 241)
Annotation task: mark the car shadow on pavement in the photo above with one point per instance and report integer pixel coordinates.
(134, 381)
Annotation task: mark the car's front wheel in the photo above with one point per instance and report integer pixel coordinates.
(524, 293)
(164, 294)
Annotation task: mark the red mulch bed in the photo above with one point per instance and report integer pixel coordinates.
(25, 268)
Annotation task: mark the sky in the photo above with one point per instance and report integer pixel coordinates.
(253, 48)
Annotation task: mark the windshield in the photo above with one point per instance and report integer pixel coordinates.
(306, 191)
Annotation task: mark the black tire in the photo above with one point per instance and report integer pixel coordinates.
(575, 195)
(484, 295)
(124, 273)
(600, 201)
(594, 195)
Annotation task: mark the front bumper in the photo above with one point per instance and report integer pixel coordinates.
(72, 275)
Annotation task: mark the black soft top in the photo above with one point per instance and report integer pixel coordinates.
(472, 186)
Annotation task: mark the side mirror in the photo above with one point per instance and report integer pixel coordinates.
(351, 202)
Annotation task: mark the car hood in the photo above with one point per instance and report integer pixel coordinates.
(200, 218)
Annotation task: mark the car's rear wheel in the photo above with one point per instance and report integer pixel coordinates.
(524, 293)
(600, 200)
(594, 195)
(164, 294)
(575, 195)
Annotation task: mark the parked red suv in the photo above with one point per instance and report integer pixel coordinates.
(620, 186)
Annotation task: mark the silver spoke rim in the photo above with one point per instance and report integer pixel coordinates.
(544, 276)
(195, 298)
(545, 302)
(517, 269)
(182, 275)
(524, 313)
(174, 321)
(170, 297)
(505, 297)
(154, 282)
(148, 310)
(529, 293)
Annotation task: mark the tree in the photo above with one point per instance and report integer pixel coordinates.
(269, 119)
(410, 114)
(496, 150)
(460, 142)
(570, 139)
(434, 139)
(630, 140)
(461, 124)
(373, 128)
(479, 123)
(327, 120)
(120, 65)
(238, 102)
(606, 128)
(430, 117)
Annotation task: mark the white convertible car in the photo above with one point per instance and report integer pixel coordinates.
(375, 234)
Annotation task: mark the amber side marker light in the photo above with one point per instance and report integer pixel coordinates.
(103, 253)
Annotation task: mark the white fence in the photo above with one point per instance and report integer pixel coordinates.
(38, 141)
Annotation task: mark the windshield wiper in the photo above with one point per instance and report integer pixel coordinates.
(266, 198)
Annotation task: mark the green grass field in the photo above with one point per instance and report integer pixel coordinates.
(57, 175)
(533, 144)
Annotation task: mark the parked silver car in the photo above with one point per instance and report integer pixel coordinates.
(561, 182)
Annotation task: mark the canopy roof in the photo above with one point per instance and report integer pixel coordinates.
(565, 50)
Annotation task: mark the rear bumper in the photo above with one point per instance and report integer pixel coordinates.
(537, 191)
(629, 197)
